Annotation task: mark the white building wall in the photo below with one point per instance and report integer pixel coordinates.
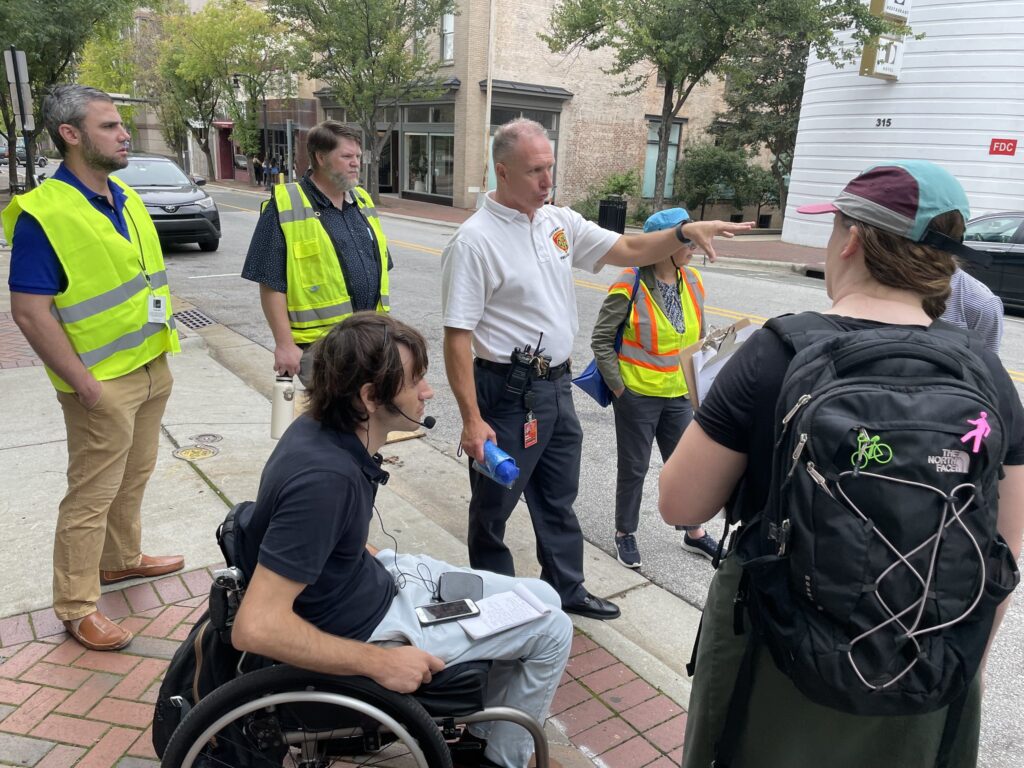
(960, 87)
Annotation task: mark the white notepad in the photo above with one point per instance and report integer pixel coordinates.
(504, 611)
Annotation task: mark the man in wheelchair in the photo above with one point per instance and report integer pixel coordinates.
(319, 597)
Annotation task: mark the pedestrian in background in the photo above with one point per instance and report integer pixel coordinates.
(89, 291)
(972, 305)
(507, 286)
(651, 399)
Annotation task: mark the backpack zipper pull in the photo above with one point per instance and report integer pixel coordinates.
(796, 453)
(817, 477)
(800, 403)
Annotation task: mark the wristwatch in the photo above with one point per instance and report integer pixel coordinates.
(680, 236)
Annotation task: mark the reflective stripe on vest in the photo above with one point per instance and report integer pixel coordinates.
(104, 310)
(317, 296)
(649, 357)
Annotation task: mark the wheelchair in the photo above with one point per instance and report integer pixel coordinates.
(279, 715)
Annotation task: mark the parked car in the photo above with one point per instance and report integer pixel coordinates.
(1002, 236)
(181, 211)
(19, 153)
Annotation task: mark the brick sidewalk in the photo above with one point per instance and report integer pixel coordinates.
(63, 706)
(14, 350)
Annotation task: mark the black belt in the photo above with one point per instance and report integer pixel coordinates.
(553, 372)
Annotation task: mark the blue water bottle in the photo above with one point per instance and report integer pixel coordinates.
(498, 465)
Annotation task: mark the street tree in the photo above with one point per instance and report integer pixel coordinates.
(685, 42)
(109, 62)
(709, 174)
(370, 56)
(52, 33)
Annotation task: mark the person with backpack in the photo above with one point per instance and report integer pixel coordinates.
(875, 460)
(649, 314)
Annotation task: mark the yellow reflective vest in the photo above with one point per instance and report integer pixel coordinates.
(649, 356)
(105, 308)
(318, 297)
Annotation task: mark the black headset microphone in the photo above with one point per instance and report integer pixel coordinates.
(428, 422)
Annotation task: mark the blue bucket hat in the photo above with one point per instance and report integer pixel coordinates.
(670, 217)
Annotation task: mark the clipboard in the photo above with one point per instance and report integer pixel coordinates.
(702, 360)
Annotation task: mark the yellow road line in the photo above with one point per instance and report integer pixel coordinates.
(237, 207)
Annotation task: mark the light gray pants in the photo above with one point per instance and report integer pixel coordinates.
(528, 660)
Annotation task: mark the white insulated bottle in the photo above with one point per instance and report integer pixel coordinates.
(283, 406)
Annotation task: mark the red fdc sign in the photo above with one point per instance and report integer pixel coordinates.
(1003, 147)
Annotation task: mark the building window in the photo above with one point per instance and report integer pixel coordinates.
(432, 113)
(430, 163)
(651, 159)
(502, 115)
(448, 37)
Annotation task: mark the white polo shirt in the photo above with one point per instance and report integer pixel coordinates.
(507, 278)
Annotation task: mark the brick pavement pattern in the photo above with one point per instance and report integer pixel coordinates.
(63, 706)
(14, 350)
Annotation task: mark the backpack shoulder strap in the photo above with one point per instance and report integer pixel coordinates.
(800, 331)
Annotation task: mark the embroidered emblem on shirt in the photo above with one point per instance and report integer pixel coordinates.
(560, 240)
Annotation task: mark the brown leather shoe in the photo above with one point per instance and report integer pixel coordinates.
(149, 565)
(98, 633)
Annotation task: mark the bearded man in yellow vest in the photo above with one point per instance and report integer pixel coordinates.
(318, 250)
(89, 292)
(660, 310)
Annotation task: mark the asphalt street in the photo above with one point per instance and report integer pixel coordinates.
(211, 282)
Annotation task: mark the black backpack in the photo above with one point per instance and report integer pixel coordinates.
(873, 573)
(206, 659)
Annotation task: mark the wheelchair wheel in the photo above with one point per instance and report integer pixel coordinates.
(283, 716)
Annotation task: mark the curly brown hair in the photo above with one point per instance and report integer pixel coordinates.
(901, 263)
(361, 349)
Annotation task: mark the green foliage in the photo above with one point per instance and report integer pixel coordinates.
(687, 41)
(202, 56)
(108, 61)
(708, 174)
(641, 212)
(370, 55)
(52, 33)
(625, 184)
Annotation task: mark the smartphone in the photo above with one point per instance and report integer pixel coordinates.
(438, 613)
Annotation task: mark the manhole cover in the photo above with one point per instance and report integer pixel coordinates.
(193, 318)
(206, 437)
(195, 452)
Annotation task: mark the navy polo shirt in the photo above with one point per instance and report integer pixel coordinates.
(310, 523)
(35, 267)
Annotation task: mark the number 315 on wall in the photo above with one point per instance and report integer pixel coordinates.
(883, 122)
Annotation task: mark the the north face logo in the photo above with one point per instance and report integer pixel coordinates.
(951, 461)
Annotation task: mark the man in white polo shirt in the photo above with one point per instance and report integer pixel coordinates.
(507, 284)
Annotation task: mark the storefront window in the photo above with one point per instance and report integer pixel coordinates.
(502, 115)
(650, 162)
(442, 113)
(430, 163)
(442, 164)
(418, 114)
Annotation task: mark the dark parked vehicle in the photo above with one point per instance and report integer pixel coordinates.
(19, 154)
(1002, 236)
(181, 211)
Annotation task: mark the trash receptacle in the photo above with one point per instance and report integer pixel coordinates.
(611, 214)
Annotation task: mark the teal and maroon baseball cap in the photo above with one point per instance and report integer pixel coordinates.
(902, 197)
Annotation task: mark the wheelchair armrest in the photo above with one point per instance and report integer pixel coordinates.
(456, 690)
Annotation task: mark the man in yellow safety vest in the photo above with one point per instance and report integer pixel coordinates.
(89, 292)
(318, 250)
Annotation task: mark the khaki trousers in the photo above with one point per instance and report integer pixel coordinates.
(111, 454)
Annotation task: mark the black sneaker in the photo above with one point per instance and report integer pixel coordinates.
(628, 554)
(706, 545)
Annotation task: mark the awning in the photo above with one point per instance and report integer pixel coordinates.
(223, 123)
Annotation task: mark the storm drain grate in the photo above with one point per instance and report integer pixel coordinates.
(193, 318)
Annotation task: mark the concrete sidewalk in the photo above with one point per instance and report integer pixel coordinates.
(621, 703)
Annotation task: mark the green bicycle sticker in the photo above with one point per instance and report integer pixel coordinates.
(870, 449)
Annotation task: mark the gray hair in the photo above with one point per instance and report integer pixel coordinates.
(508, 135)
(68, 104)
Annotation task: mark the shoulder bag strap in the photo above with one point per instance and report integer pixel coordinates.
(629, 309)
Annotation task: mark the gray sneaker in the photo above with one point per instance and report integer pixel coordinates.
(706, 545)
(628, 554)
